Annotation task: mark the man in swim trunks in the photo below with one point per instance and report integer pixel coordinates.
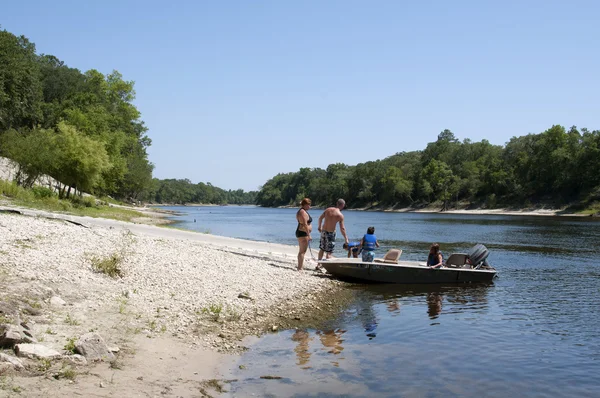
(327, 226)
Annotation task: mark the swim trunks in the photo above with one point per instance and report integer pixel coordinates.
(327, 243)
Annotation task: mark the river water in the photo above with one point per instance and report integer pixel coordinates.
(534, 332)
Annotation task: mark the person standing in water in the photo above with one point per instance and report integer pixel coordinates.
(303, 230)
(327, 227)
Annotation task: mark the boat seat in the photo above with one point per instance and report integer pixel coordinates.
(391, 257)
(458, 260)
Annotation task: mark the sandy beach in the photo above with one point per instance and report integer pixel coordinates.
(177, 312)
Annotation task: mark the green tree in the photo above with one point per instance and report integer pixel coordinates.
(20, 88)
(31, 151)
(79, 160)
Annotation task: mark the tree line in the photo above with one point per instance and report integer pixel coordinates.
(181, 191)
(82, 129)
(555, 167)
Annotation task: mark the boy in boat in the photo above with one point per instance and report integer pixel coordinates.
(353, 248)
(368, 244)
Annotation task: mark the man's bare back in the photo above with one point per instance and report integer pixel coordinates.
(327, 226)
(331, 216)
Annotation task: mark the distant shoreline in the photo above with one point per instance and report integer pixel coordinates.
(428, 210)
(195, 205)
(480, 211)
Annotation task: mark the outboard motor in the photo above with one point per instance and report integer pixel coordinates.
(478, 254)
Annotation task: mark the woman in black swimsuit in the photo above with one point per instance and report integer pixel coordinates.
(303, 230)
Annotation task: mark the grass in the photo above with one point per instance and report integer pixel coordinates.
(44, 365)
(67, 373)
(6, 385)
(216, 313)
(213, 310)
(71, 321)
(39, 198)
(70, 346)
(23, 243)
(110, 265)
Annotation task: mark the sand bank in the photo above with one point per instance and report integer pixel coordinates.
(180, 308)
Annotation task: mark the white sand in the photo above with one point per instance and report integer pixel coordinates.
(178, 287)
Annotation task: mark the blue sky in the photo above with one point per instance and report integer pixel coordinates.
(234, 92)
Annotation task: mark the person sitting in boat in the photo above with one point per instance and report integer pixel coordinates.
(353, 248)
(435, 258)
(368, 244)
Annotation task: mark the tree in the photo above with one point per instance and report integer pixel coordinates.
(79, 160)
(442, 180)
(20, 88)
(31, 151)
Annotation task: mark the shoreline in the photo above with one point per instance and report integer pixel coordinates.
(480, 211)
(184, 302)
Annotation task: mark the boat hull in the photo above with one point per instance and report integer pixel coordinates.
(405, 272)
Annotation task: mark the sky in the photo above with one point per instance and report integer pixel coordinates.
(235, 92)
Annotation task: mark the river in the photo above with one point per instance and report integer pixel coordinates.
(534, 332)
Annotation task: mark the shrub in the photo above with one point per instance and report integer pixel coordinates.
(110, 265)
(70, 346)
(10, 188)
(42, 192)
(83, 201)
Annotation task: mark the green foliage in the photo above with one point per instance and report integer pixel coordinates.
(20, 88)
(42, 192)
(110, 265)
(70, 346)
(80, 128)
(79, 160)
(31, 151)
(557, 165)
(11, 189)
(183, 191)
(71, 321)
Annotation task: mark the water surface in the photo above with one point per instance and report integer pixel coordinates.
(534, 332)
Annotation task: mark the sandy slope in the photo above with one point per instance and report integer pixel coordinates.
(181, 307)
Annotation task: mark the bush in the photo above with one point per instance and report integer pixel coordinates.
(83, 201)
(110, 265)
(9, 188)
(42, 192)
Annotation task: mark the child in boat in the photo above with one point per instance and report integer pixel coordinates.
(368, 244)
(435, 258)
(353, 248)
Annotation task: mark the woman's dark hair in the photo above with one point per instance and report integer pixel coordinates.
(371, 230)
(345, 245)
(435, 247)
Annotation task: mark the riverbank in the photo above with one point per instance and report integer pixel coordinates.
(484, 211)
(173, 312)
(526, 211)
